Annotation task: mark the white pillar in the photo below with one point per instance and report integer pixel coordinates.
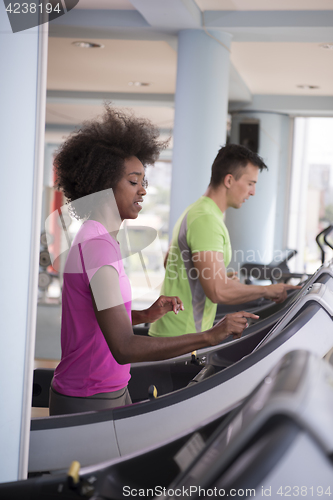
(201, 107)
(22, 98)
(257, 229)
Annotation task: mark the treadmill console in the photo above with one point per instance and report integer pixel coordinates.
(317, 292)
(290, 390)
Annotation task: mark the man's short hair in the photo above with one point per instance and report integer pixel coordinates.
(232, 159)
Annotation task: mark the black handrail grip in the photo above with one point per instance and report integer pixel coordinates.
(329, 229)
(323, 232)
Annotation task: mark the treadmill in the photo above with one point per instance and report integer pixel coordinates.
(171, 375)
(180, 370)
(265, 308)
(276, 442)
(237, 368)
(266, 272)
(279, 443)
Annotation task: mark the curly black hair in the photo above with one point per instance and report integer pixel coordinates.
(92, 159)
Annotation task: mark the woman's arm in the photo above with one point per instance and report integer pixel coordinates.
(129, 348)
(139, 317)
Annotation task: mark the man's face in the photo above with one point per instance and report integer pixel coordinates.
(240, 190)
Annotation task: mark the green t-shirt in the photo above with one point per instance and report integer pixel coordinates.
(200, 228)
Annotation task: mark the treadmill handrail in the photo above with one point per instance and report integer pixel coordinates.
(323, 233)
(326, 234)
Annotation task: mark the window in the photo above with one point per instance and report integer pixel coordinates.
(311, 204)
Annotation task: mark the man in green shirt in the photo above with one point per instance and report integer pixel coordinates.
(200, 248)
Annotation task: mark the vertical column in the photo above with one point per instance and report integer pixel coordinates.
(258, 228)
(22, 103)
(201, 106)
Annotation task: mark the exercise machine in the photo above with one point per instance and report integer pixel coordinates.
(276, 443)
(229, 374)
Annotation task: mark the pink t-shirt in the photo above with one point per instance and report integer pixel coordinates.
(87, 366)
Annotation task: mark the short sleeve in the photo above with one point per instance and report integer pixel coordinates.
(205, 233)
(99, 252)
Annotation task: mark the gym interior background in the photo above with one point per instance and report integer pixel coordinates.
(267, 83)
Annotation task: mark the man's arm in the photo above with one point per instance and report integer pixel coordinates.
(221, 289)
(166, 256)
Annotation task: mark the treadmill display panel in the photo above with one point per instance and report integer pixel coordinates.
(277, 329)
(283, 379)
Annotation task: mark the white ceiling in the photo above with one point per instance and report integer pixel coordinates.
(269, 67)
(113, 67)
(71, 114)
(278, 68)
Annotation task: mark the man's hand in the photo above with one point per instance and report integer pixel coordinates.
(278, 293)
(163, 305)
(232, 324)
(232, 275)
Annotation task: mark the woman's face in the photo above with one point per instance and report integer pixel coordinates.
(130, 190)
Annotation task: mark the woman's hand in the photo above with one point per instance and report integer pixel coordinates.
(232, 324)
(163, 305)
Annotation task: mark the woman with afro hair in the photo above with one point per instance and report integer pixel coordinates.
(101, 170)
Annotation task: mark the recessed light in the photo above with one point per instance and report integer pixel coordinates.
(139, 84)
(327, 46)
(308, 87)
(88, 45)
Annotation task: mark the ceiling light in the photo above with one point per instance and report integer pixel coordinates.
(88, 45)
(308, 87)
(327, 46)
(139, 84)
